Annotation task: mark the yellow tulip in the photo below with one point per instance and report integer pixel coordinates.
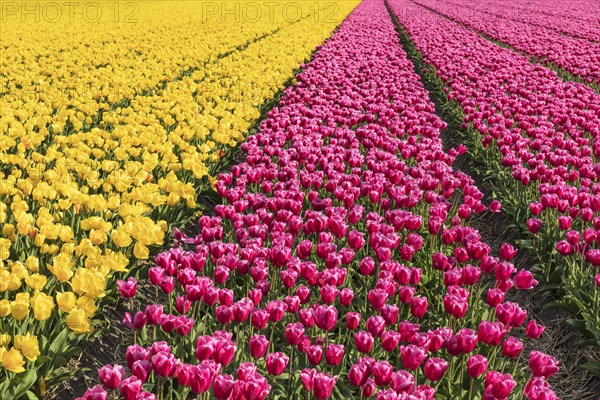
(66, 233)
(18, 269)
(4, 248)
(78, 321)
(66, 301)
(97, 236)
(39, 240)
(8, 229)
(4, 339)
(53, 249)
(121, 238)
(4, 307)
(42, 306)
(36, 281)
(13, 282)
(87, 282)
(19, 310)
(28, 345)
(13, 361)
(87, 304)
(4, 279)
(68, 248)
(141, 251)
(33, 264)
(61, 267)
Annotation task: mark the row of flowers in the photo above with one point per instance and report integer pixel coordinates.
(342, 262)
(578, 19)
(81, 203)
(579, 57)
(538, 136)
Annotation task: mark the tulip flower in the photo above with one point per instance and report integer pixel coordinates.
(352, 320)
(382, 373)
(307, 377)
(325, 317)
(131, 388)
(258, 346)
(412, 356)
(346, 296)
(534, 225)
(364, 342)
(223, 386)
(542, 365)
(111, 376)
(402, 382)
(259, 318)
(358, 374)
(141, 369)
(511, 347)
(524, 280)
(164, 364)
(495, 206)
(499, 385)
(334, 354)
(94, 393)
(323, 385)
(476, 365)
(276, 363)
(435, 368)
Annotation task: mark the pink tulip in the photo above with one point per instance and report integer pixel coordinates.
(131, 388)
(276, 363)
(542, 365)
(127, 288)
(352, 320)
(382, 373)
(476, 365)
(223, 386)
(402, 382)
(358, 374)
(95, 393)
(499, 385)
(412, 356)
(323, 385)
(111, 376)
(258, 345)
(364, 342)
(524, 280)
(325, 317)
(511, 347)
(141, 369)
(435, 368)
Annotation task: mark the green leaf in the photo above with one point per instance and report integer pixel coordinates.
(592, 367)
(30, 395)
(19, 386)
(42, 360)
(59, 342)
(283, 377)
(59, 375)
(579, 325)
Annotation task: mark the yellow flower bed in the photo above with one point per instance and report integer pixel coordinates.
(110, 128)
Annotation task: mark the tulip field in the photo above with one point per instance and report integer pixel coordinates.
(291, 200)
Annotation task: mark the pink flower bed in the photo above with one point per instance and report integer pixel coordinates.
(580, 19)
(538, 132)
(342, 262)
(579, 57)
